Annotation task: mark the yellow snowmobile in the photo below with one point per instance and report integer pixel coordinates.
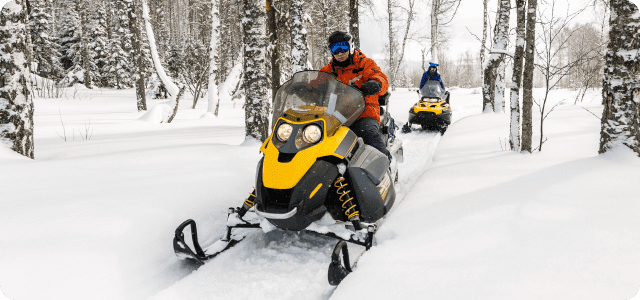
(432, 111)
(313, 166)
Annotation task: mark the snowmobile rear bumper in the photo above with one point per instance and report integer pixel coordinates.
(427, 118)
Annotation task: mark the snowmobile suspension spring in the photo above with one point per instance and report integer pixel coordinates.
(352, 210)
(249, 202)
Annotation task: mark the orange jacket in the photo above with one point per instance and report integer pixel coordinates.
(361, 70)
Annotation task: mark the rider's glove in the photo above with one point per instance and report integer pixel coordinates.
(370, 87)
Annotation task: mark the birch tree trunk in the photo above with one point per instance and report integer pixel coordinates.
(621, 115)
(255, 82)
(298, 37)
(16, 105)
(213, 97)
(484, 36)
(435, 7)
(138, 60)
(87, 59)
(354, 23)
(392, 45)
(527, 77)
(272, 30)
(514, 132)
(496, 58)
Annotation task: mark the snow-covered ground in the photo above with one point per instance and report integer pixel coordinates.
(93, 218)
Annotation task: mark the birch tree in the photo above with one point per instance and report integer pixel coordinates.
(485, 26)
(214, 97)
(298, 36)
(16, 105)
(442, 13)
(527, 76)
(255, 82)
(496, 57)
(514, 132)
(621, 115)
(354, 22)
(274, 54)
(138, 57)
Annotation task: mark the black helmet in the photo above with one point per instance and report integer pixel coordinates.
(341, 36)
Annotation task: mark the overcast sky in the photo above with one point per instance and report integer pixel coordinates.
(468, 20)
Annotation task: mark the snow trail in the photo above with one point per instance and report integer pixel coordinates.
(289, 265)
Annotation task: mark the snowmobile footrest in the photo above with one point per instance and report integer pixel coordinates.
(337, 270)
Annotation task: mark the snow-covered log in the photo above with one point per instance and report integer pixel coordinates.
(16, 106)
(162, 113)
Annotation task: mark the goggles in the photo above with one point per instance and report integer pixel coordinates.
(339, 47)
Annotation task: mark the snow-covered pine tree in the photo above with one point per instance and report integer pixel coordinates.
(195, 71)
(298, 36)
(527, 76)
(69, 36)
(174, 62)
(16, 105)
(514, 128)
(496, 57)
(119, 70)
(100, 42)
(255, 82)
(621, 115)
(87, 55)
(45, 51)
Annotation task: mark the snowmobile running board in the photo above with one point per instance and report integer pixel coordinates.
(337, 270)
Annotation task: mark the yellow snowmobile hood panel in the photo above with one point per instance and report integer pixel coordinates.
(278, 175)
(435, 107)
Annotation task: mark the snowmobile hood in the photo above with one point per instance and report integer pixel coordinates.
(284, 170)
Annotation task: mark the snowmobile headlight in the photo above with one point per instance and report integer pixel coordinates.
(284, 131)
(312, 134)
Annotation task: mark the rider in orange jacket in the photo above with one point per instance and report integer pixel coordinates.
(352, 67)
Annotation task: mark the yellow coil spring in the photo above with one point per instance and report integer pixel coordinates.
(248, 202)
(344, 193)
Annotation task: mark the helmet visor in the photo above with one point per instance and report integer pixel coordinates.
(339, 47)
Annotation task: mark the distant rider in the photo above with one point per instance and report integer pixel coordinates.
(352, 67)
(431, 74)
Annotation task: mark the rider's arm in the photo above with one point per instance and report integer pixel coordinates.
(373, 72)
(424, 79)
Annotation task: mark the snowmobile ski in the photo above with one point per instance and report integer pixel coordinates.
(184, 252)
(338, 270)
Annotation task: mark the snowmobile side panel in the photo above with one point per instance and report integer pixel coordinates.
(370, 202)
(371, 160)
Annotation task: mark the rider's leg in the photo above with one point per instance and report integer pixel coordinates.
(369, 130)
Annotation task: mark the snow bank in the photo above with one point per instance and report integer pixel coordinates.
(483, 223)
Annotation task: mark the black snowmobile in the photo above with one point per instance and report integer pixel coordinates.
(314, 165)
(432, 111)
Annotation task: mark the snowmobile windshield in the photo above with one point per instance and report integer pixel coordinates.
(432, 90)
(318, 94)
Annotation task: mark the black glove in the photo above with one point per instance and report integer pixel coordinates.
(370, 87)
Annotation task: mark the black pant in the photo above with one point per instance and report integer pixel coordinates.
(369, 130)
